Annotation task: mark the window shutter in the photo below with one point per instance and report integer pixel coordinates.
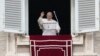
(86, 16)
(2, 14)
(14, 16)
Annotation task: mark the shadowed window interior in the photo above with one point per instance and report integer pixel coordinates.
(62, 8)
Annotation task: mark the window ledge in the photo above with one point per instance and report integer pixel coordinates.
(22, 40)
(78, 40)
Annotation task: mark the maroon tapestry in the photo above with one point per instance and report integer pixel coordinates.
(51, 45)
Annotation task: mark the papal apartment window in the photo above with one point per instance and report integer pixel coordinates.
(49, 17)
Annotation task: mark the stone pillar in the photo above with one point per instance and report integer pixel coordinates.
(89, 48)
(11, 48)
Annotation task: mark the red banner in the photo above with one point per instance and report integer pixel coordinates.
(51, 45)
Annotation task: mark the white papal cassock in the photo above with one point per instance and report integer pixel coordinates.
(49, 27)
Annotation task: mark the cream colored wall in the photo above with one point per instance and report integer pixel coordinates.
(23, 50)
(97, 43)
(3, 43)
(85, 49)
(90, 46)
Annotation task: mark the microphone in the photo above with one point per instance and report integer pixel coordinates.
(56, 18)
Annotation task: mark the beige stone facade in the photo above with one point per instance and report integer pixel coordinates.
(17, 45)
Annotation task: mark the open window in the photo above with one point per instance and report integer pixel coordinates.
(14, 16)
(85, 16)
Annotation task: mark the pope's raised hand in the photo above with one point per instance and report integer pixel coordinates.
(42, 14)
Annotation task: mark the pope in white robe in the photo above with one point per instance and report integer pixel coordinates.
(48, 25)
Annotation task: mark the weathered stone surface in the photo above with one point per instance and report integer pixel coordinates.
(3, 44)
